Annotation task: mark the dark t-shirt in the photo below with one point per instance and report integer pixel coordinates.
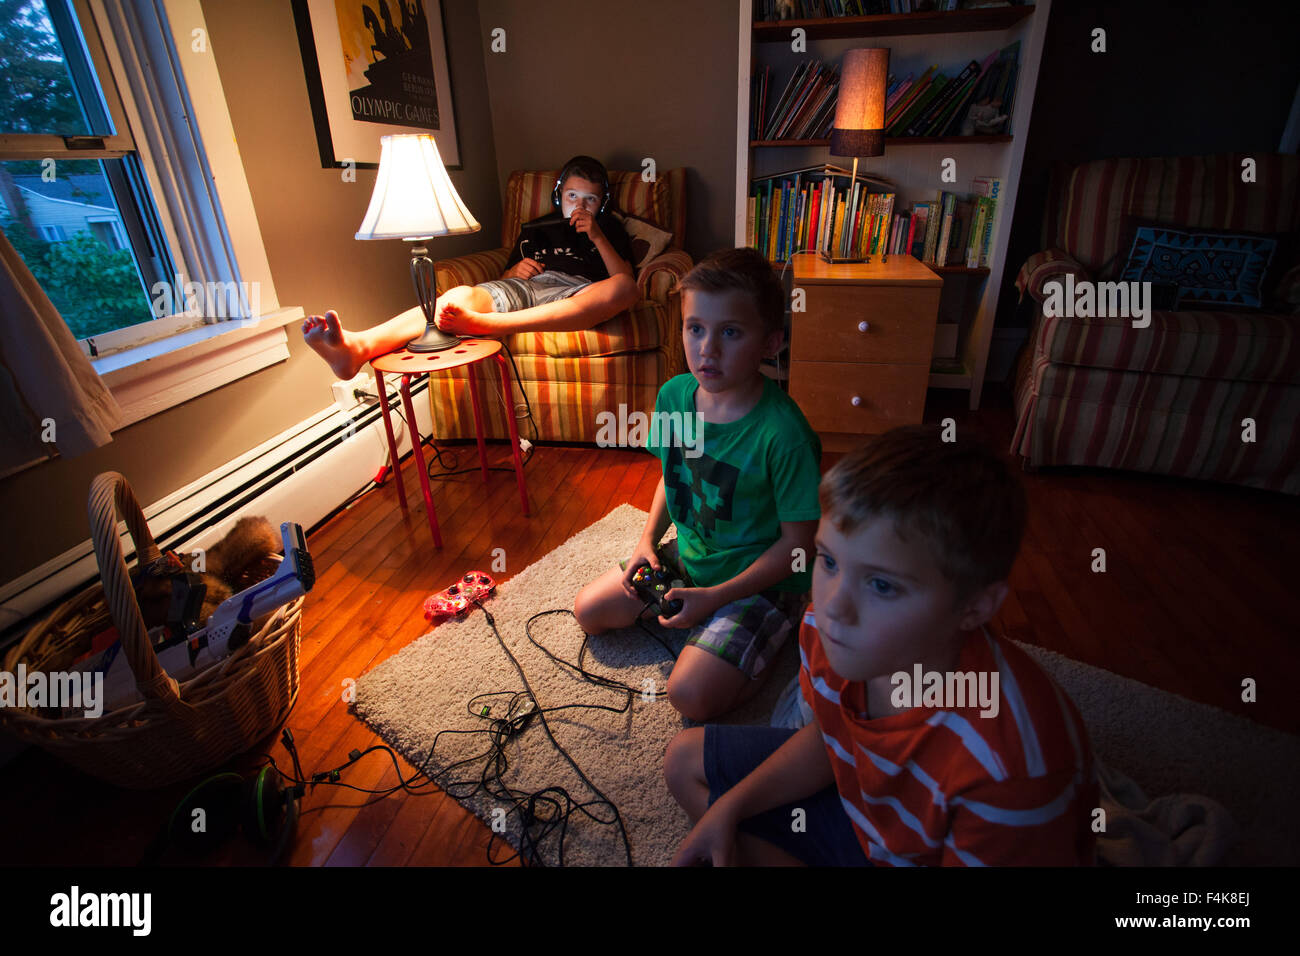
(562, 248)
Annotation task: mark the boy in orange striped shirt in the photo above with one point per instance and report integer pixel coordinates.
(930, 742)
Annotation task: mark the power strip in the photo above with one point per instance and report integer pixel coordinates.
(345, 393)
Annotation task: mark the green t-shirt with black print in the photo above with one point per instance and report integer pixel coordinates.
(730, 486)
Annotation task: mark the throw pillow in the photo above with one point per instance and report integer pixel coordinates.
(647, 239)
(1213, 268)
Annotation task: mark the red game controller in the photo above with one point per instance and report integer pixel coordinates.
(460, 597)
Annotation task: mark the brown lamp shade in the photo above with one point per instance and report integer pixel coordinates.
(859, 128)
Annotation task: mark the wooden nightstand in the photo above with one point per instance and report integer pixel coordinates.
(860, 351)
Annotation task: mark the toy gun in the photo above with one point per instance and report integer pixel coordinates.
(225, 631)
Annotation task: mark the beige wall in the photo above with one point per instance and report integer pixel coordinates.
(621, 80)
(307, 217)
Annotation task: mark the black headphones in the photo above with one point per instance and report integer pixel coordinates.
(266, 810)
(569, 170)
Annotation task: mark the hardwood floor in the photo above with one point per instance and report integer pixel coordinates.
(1195, 599)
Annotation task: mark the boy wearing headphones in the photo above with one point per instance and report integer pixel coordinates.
(568, 271)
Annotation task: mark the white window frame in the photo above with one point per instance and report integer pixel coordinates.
(160, 363)
(115, 224)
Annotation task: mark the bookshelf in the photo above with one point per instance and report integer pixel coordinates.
(913, 164)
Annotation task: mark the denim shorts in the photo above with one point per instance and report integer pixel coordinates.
(826, 838)
(512, 295)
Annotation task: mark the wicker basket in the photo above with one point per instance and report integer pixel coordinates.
(177, 731)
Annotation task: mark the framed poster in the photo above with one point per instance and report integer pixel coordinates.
(375, 67)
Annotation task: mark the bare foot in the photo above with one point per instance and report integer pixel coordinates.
(461, 321)
(334, 344)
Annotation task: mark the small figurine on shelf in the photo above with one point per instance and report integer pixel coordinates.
(785, 9)
(983, 119)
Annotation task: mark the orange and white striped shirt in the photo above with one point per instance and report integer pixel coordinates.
(947, 787)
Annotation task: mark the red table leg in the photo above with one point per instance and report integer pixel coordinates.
(392, 442)
(514, 432)
(478, 419)
(419, 459)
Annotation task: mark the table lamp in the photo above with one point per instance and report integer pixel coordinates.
(415, 200)
(859, 128)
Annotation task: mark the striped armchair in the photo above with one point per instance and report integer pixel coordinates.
(1168, 398)
(571, 377)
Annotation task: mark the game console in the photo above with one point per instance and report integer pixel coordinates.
(652, 585)
(457, 599)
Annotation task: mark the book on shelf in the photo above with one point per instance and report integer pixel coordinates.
(939, 105)
(930, 95)
(989, 188)
(909, 97)
(897, 91)
(805, 108)
(945, 230)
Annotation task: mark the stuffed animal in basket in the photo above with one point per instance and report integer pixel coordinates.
(187, 588)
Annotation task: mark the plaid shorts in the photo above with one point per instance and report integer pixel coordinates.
(512, 295)
(747, 632)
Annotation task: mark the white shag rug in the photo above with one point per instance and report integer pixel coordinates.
(1165, 743)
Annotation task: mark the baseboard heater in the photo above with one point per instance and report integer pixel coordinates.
(303, 474)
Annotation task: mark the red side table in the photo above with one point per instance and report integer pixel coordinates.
(468, 352)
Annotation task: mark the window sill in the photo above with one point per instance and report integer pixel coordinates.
(158, 375)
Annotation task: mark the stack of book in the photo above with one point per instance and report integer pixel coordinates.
(953, 229)
(936, 104)
(806, 108)
(811, 9)
(819, 209)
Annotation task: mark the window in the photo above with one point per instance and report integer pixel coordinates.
(107, 231)
(161, 171)
(78, 210)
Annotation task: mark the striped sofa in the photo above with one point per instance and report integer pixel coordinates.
(571, 377)
(1169, 398)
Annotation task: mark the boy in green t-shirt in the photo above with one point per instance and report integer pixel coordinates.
(741, 468)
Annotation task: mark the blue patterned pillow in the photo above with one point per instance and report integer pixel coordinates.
(1210, 267)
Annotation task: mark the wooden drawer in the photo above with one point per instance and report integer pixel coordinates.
(900, 324)
(888, 395)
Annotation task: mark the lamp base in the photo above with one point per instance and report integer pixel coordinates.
(433, 340)
(848, 260)
(422, 277)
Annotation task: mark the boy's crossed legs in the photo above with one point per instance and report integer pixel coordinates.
(710, 676)
(467, 310)
(703, 763)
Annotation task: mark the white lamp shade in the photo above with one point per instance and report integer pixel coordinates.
(414, 197)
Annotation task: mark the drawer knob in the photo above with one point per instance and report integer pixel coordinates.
(863, 326)
(856, 400)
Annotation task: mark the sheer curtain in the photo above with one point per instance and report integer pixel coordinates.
(51, 399)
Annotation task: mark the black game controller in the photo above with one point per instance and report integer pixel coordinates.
(652, 585)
